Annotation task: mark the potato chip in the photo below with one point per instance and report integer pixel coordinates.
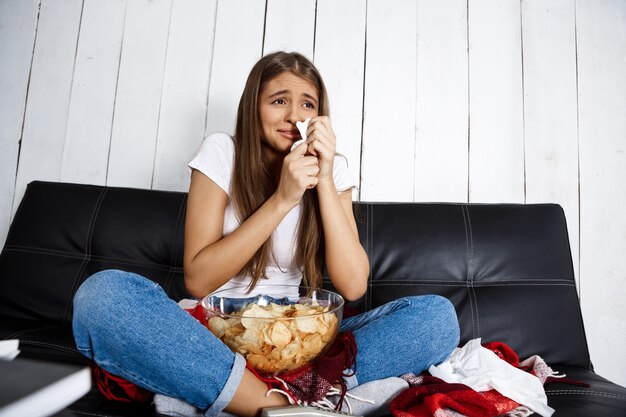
(279, 334)
(307, 324)
(255, 311)
(252, 337)
(218, 326)
(312, 343)
(289, 352)
(277, 337)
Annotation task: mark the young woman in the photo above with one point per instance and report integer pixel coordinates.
(258, 213)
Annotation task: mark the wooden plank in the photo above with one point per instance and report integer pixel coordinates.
(496, 147)
(88, 135)
(290, 26)
(48, 94)
(238, 45)
(550, 108)
(18, 25)
(441, 166)
(185, 90)
(342, 65)
(387, 168)
(138, 98)
(601, 35)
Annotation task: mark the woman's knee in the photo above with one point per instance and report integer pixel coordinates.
(441, 315)
(103, 289)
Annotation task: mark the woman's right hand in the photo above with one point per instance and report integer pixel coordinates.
(298, 174)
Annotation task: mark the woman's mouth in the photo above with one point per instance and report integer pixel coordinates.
(290, 134)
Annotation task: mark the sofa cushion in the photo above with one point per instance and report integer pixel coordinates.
(63, 233)
(506, 267)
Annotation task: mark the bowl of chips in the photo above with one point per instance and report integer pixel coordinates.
(282, 328)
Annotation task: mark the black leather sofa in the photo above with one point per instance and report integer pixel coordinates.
(507, 268)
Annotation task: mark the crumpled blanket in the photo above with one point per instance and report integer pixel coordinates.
(312, 383)
(469, 384)
(370, 400)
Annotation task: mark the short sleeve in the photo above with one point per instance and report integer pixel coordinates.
(344, 180)
(215, 159)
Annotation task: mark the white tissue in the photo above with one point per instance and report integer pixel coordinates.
(302, 127)
(9, 349)
(482, 370)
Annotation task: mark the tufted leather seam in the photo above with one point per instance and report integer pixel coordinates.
(50, 345)
(521, 284)
(407, 282)
(581, 392)
(488, 284)
(370, 244)
(21, 332)
(93, 258)
(468, 263)
(172, 265)
(45, 251)
(467, 266)
(473, 299)
(87, 413)
(452, 204)
(87, 258)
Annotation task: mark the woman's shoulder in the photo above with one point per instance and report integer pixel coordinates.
(215, 159)
(218, 145)
(219, 139)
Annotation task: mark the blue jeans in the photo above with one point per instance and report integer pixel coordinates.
(131, 328)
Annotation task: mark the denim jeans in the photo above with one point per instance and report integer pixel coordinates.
(131, 328)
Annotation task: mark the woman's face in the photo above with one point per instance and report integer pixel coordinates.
(285, 100)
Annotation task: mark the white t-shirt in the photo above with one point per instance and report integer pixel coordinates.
(215, 160)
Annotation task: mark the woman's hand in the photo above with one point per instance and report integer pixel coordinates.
(321, 143)
(298, 174)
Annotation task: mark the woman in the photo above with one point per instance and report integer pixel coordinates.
(258, 212)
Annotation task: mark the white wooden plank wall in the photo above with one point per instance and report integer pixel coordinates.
(601, 34)
(342, 65)
(92, 98)
(388, 147)
(551, 145)
(48, 99)
(18, 26)
(238, 45)
(458, 100)
(496, 135)
(185, 88)
(441, 158)
(139, 92)
(290, 26)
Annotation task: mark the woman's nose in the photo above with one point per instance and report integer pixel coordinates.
(293, 114)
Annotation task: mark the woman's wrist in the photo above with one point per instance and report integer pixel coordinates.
(326, 188)
(280, 204)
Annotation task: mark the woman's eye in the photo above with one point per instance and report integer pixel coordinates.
(309, 105)
(279, 101)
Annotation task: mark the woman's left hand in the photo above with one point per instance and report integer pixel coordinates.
(322, 143)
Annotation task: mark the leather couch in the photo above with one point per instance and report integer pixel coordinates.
(506, 267)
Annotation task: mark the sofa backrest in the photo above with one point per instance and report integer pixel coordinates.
(507, 268)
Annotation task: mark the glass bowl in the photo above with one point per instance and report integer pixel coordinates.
(283, 328)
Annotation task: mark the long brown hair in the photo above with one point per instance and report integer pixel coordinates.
(252, 181)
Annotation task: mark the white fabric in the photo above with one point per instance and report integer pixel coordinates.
(9, 349)
(482, 370)
(216, 159)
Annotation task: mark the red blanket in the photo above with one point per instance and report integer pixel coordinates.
(430, 396)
